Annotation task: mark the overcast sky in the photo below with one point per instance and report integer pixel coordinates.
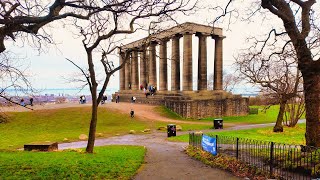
(48, 69)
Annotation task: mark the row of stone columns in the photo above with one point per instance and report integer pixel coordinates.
(129, 78)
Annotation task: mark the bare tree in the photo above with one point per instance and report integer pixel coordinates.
(301, 29)
(230, 81)
(20, 18)
(25, 20)
(12, 78)
(295, 108)
(120, 18)
(278, 77)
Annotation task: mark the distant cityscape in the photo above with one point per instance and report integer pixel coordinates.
(52, 96)
(73, 95)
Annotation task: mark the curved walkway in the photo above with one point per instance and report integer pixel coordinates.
(164, 160)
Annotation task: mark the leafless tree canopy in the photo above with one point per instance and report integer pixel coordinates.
(278, 77)
(19, 18)
(299, 29)
(100, 37)
(12, 77)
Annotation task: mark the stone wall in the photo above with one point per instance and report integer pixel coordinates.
(235, 106)
(190, 106)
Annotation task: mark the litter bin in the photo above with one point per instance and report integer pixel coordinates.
(171, 130)
(218, 124)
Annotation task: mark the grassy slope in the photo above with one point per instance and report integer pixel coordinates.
(269, 116)
(289, 136)
(166, 112)
(110, 162)
(57, 124)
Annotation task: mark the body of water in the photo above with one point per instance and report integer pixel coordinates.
(60, 92)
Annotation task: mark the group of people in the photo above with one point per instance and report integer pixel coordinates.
(22, 103)
(82, 99)
(104, 99)
(150, 91)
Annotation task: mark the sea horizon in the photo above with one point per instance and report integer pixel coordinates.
(59, 92)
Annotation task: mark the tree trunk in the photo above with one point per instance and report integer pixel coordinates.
(279, 127)
(2, 46)
(312, 99)
(94, 113)
(93, 125)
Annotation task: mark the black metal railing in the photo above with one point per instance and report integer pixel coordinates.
(279, 160)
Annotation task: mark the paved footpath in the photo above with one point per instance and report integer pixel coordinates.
(164, 160)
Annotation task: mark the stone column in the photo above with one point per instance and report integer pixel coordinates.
(122, 74)
(152, 64)
(187, 62)
(202, 62)
(127, 73)
(163, 72)
(143, 68)
(135, 75)
(175, 63)
(218, 67)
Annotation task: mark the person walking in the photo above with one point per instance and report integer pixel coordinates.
(132, 113)
(31, 101)
(117, 98)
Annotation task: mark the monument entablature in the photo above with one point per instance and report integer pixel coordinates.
(188, 27)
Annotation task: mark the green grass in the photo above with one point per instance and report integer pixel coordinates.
(289, 136)
(56, 124)
(109, 162)
(166, 112)
(270, 116)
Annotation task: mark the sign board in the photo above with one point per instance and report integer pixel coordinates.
(209, 144)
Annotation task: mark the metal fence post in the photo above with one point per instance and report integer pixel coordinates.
(217, 143)
(271, 158)
(201, 141)
(237, 153)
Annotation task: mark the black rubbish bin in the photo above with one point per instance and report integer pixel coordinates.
(171, 130)
(218, 124)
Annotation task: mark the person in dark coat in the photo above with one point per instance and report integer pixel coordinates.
(132, 113)
(31, 101)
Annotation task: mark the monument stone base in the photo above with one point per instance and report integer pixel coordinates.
(193, 104)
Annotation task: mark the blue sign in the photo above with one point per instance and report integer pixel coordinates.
(209, 144)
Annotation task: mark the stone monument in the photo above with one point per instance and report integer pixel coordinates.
(180, 99)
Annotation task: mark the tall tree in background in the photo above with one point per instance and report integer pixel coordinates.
(300, 28)
(99, 36)
(278, 77)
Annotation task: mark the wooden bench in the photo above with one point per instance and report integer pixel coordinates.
(41, 147)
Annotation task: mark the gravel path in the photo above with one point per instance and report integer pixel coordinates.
(164, 160)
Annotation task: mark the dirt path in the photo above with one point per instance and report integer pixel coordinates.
(164, 160)
(146, 112)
